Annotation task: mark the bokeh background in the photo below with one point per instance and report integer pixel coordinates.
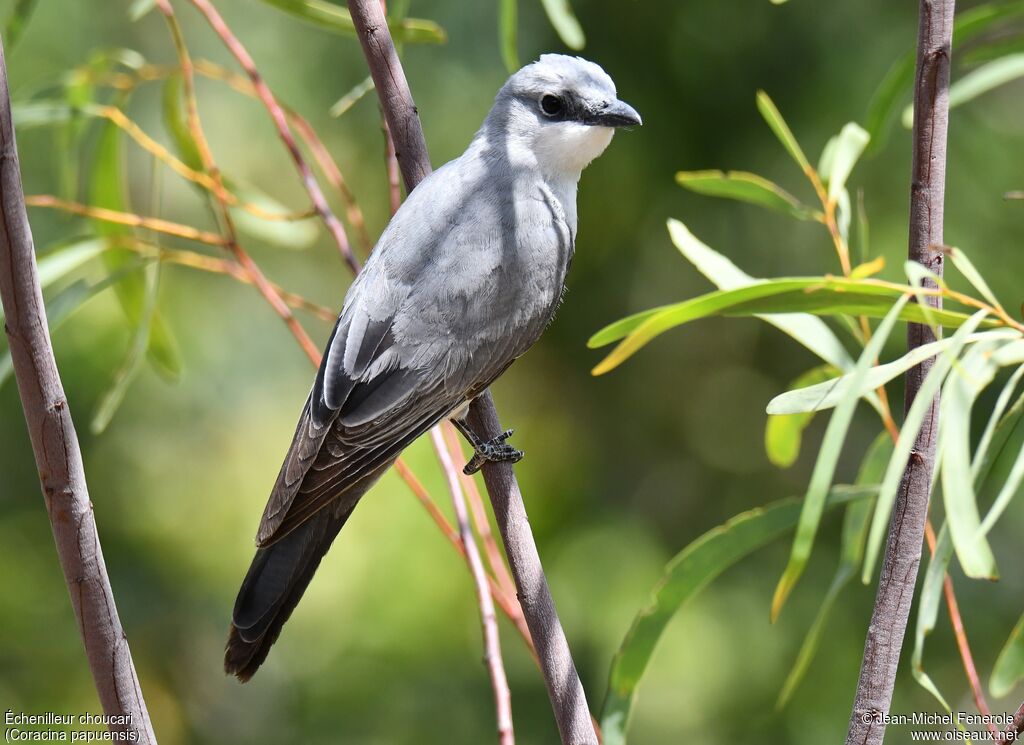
(622, 471)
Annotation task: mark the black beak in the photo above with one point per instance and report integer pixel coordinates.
(613, 114)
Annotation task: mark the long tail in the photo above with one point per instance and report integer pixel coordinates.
(277, 577)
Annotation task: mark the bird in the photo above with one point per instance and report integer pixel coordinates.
(463, 280)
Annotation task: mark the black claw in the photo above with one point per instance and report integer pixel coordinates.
(494, 450)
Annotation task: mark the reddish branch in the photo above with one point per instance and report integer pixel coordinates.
(57, 453)
(492, 643)
(910, 512)
(284, 130)
(568, 700)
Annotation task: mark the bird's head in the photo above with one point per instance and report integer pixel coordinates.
(560, 111)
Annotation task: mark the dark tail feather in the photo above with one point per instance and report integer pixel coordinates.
(278, 576)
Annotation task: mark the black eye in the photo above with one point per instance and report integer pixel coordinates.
(551, 105)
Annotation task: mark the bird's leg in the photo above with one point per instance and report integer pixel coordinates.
(494, 450)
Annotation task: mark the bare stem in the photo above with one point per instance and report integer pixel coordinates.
(492, 642)
(58, 455)
(283, 129)
(910, 512)
(568, 700)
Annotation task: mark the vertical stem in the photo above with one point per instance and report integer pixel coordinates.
(57, 452)
(565, 690)
(906, 531)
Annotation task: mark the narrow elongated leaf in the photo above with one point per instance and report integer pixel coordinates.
(296, 234)
(778, 125)
(111, 400)
(808, 330)
(981, 80)
(972, 275)
(850, 145)
(140, 8)
(331, 17)
(783, 433)
(105, 191)
(886, 99)
(62, 306)
(1000, 427)
(975, 371)
(565, 24)
(691, 570)
(818, 295)
(855, 523)
(745, 187)
(928, 611)
(826, 394)
(64, 258)
(17, 21)
(868, 269)
(908, 434)
(508, 33)
(1009, 667)
(863, 229)
(350, 99)
(825, 465)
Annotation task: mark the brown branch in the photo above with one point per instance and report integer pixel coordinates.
(277, 114)
(910, 512)
(1015, 728)
(568, 700)
(126, 218)
(57, 453)
(492, 642)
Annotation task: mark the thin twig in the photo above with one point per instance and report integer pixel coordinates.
(906, 531)
(391, 163)
(220, 192)
(126, 218)
(1015, 728)
(568, 700)
(58, 455)
(277, 114)
(956, 620)
(492, 642)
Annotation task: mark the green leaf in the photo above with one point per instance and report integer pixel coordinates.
(508, 30)
(825, 465)
(972, 275)
(105, 191)
(690, 571)
(140, 8)
(886, 99)
(808, 330)
(849, 146)
(745, 187)
(998, 430)
(778, 125)
(43, 113)
(988, 77)
(783, 433)
(565, 23)
(863, 229)
(350, 99)
(62, 305)
(818, 295)
(331, 17)
(826, 394)
(928, 611)
(62, 259)
(296, 234)
(1009, 667)
(111, 400)
(17, 21)
(908, 434)
(975, 371)
(855, 522)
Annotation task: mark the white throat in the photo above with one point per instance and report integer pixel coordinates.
(564, 149)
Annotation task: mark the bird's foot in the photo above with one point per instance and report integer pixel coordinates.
(495, 450)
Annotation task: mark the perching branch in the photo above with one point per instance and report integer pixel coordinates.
(564, 688)
(906, 531)
(57, 453)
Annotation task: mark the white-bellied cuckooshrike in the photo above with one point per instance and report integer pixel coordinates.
(463, 281)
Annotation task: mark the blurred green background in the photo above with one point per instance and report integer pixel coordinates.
(622, 471)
